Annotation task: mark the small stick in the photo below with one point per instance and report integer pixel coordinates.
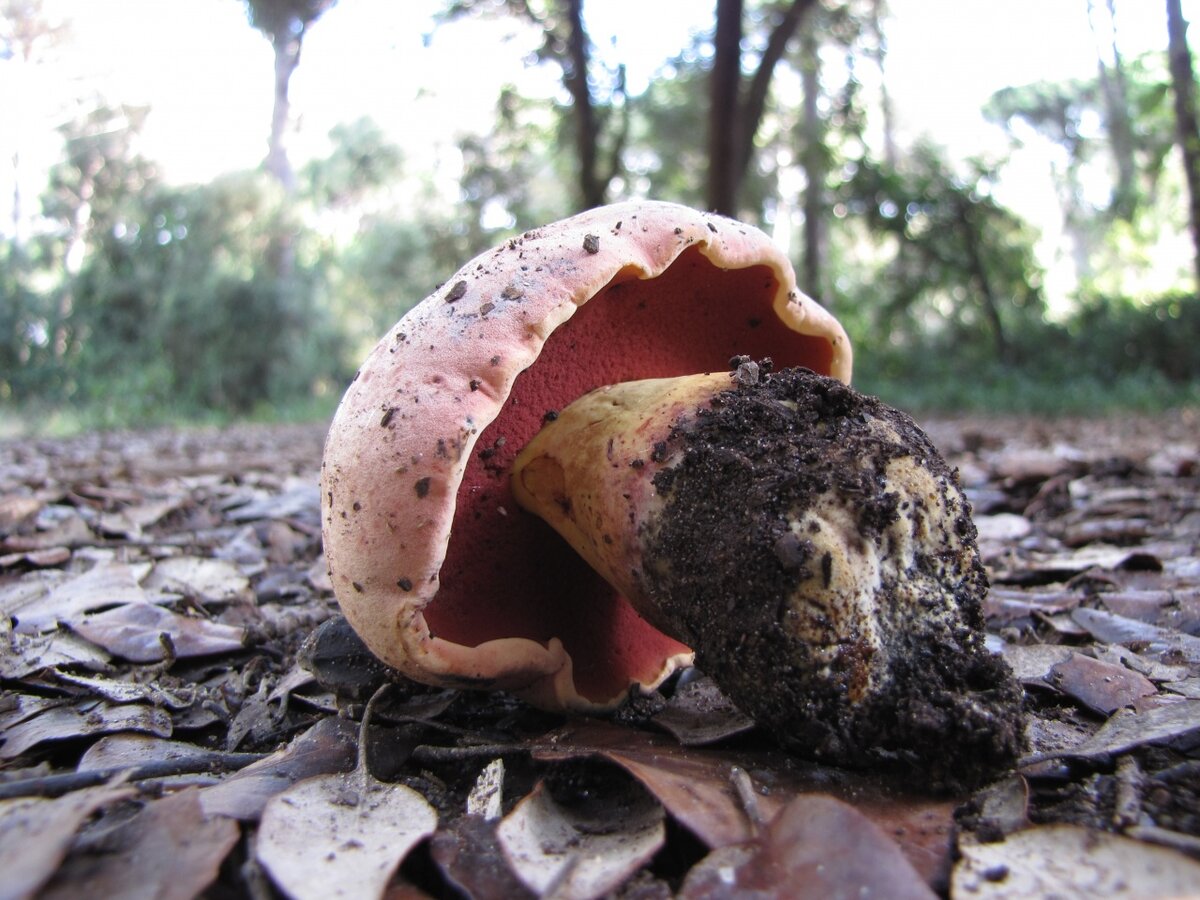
(64, 783)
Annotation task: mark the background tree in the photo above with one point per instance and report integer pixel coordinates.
(1184, 84)
(736, 105)
(27, 35)
(599, 124)
(284, 23)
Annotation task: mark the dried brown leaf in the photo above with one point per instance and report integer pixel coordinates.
(83, 720)
(134, 632)
(1071, 861)
(211, 581)
(816, 847)
(340, 835)
(105, 584)
(580, 853)
(1100, 686)
(327, 747)
(36, 833)
(169, 851)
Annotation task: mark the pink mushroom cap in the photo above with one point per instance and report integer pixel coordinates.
(434, 564)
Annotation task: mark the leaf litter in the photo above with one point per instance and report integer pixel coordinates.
(182, 707)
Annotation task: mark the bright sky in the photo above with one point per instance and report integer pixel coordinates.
(207, 75)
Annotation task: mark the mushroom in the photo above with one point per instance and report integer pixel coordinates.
(808, 542)
(440, 570)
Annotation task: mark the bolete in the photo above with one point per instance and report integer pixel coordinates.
(807, 543)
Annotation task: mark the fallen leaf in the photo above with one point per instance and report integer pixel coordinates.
(1100, 686)
(1072, 861)
(487, 794)
(129, 691)
(211, 581)
(1127, 729)
(81, 720)
(816, 847)
(50, 556)
(24, 654)
(698, 788)
(36, 833)
(169, 851)
(1002, 527)
(299, 501)
(582, 851)
(468, 854)
(327, 747)
(1032, 663)
(125, 750)
(133, 632)
(698, 714)
(106, 584)
(15, 509)
(340, 835)
(1152, 639)
(65, 527)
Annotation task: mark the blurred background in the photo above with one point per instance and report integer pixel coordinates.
(211, 209)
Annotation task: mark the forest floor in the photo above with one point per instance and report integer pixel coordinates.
(182, 710)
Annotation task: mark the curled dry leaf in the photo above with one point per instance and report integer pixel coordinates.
(169, 851)
(134, 631)
(469, 856)
(106, 584)
(327, 747)
(36, 833)
(1049, 862)
(1101, 687)
(698, 787)
(1151, 639)
(816, 847)
(341, 835)
(207, 580)
(698, 713)
(80, 720)
(580, 852)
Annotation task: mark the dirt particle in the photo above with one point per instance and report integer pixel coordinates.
(357, 587)
(388, 414)
(422, 486)
(512, 292)
(591, 243)
(405, 584)
(485, 308)
(474, 384)
(549, 415)
(457, 292)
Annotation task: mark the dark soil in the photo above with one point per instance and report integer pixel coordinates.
(752, 558)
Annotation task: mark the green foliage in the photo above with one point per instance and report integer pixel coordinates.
(957, 263)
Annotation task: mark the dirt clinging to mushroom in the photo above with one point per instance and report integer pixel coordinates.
(818, 555)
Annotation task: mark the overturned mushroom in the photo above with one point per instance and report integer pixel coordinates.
(806, 541)
(434, 563)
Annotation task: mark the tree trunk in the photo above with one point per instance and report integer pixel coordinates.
(1116, 110)
(1187, 131)
(812, 155)
(755, 104)
(592, 187)
(723, 114)
(733, 120)
(287, 58)
(979, 274)
(887, 112)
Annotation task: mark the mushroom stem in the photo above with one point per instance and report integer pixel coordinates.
(807, 542)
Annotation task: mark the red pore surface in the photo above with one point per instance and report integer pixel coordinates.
(506, 573)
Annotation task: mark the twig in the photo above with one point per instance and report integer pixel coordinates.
(57, 785)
